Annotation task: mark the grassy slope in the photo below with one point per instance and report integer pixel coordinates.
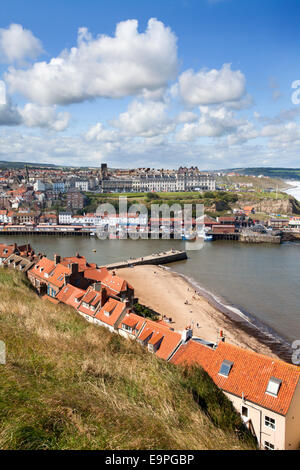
(68, 384)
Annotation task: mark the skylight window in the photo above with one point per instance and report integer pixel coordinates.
(225, 368)
(273, 386)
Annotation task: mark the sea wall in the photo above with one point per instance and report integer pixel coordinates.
(156, 258)
(259, 238)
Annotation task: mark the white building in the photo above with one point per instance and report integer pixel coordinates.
(82, 185)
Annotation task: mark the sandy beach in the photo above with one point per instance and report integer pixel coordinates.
(170, 294)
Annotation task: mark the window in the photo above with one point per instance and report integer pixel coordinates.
(126, 327)
(273, 386)
(245, 411)
(225, 368)
(270, 422)
(269, 446)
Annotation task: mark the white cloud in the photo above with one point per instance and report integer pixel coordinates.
(213, 122)
(9, 114)
(284, 133)
(186, 116)
(32, 115)
(144, 119)
(211, 86)
(17, 44)
(99, 133)
(129, 63)
(44, 116)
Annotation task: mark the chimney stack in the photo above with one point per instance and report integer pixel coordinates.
(222, 337)
(187, 334)
(74, 269)
(104, 296)
(56, 259)
(97, 286)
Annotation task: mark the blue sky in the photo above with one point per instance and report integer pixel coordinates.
(206, 82)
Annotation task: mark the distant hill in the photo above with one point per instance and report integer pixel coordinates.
(68, 384)
(21, 165)
(284, 173)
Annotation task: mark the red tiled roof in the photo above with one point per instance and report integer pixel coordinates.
(44, 266)
(69, 294)
(95, 274)
(92, 298)
(57, 277)
(116, 283)
(249, 375)
(170, 340)
(114, 308)
(132, 320)
(6, 250)
(80, 260)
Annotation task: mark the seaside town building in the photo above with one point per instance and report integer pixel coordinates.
(264, 390)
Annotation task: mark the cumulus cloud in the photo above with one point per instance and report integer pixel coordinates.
(44, 116)
(9, 115)
(213, 122)
(129, 63)
(211, 86)
(17, 44)
(32, 115)
(186, 116)
(144, 119)
(99, 133)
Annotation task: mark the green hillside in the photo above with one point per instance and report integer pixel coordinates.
(285, 173)
(68, 384)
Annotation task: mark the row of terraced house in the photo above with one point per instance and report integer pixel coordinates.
(264, 390)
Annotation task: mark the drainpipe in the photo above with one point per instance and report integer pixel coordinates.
(260, 418)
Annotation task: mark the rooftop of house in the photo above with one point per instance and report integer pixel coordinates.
(80, 260)
(260, 379)
(116, 283)
(153, 331)
(70, 295)
(24, 263)
(44, 266)
(92, 298)
(111, 311)
(95, 274)
(6, 250)
(57, 276)
(132, 320)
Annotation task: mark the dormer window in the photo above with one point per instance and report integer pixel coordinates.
(126, 328)
(273, 386)
(41, 270)
(225, 368)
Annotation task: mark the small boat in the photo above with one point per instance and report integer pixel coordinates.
(94, 251)
(189, 236)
